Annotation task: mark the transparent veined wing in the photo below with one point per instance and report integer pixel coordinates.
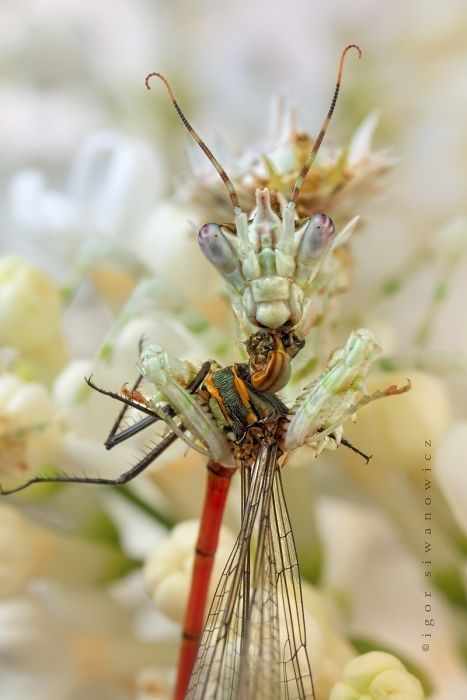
(253, 645)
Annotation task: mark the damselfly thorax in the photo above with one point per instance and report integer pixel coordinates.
(244, 394)
(236, 405)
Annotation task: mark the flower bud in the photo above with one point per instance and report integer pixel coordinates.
(29, 640)
(19, 559)
(167, 571)
(377, 676)
(112, 270)
(394, 429)
(29, 428)
(328, 650)
(154, 684)
(30, 316)
(450, 471)
(168, 242)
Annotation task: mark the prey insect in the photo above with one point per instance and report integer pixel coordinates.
(253, 643)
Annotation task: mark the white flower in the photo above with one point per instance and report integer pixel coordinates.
(361, 142)
(113, 182)
(327, 649)
(29, 428)
(154, 684)
(377, 676)
(451, 460)
(29, 644)
(28, 549)
(335, 184)
(168, 243)
(71, 643)
(451, 239)
(31, 316)
(167, 571)
(19, 559)
(394, 431)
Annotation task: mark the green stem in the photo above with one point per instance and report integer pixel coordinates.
(439, 294)
(164, 520)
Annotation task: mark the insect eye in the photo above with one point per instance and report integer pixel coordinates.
(317, 238)
(217, 249)
(324, 224)
(207, 231)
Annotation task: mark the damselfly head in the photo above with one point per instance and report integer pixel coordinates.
(268, 360)
(269, 354)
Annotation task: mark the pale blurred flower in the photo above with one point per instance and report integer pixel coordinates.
(377, 676)
(30, 550)
(18, 556)
(29, 640)
(61, 643)
(168, 243)
(31, 317)
(336, 184)
(328, 650)
(395, 431)
(449, 469)
(112, 183)
(167, 570)
(153, 684)
(30, 428)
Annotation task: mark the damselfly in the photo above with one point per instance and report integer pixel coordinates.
(253, 644)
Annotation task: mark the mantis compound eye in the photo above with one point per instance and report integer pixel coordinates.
(217, 249)
(317, 238)
(324, 223)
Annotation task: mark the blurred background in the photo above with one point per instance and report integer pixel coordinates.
(88, 153)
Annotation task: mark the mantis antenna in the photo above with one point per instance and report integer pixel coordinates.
(310, 160)
(225, 178)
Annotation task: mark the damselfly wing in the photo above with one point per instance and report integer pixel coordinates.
(254, 641)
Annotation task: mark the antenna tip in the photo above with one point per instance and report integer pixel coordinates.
(147, 79)
(152, 75)
(353, 46)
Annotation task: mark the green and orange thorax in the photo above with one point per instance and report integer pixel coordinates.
(235, 403)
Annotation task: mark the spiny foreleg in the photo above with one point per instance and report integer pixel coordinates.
(337, 394)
